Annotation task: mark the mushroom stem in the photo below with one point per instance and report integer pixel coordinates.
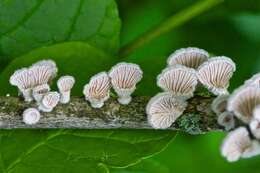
(65, 97)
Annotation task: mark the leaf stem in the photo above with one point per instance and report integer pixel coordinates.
(169, 24)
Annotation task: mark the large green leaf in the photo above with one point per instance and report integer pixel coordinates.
(67, 151)
(26, 25)
(74, 58)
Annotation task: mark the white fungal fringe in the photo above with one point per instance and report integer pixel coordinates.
(226, 119)
(23, 80)
(97, 90)
(65, 84)
(31, 116)
(256, 113)
(40, 91)
(179, 80)
(219, 104)
(191, 57)
(255, 128)
(243, 101)
(216, 73)
(49, 101)
(124, 77)
(235, 144)
(163, 109)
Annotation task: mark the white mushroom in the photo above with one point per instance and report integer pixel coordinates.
(243, 101)
(49, 63)
(255, 128)
(40, 91)
(23, 80)
(97, 90)
(256, 113)
(163, 109)
(65, 84)
(235, 144)
(219, 104)
(179, 80)
(254, 80)
(226, 119)
(124, 77)
(216, 73)
(191, 57)
(31, 116)
(253, 150)
(49, 101)
(40, 74)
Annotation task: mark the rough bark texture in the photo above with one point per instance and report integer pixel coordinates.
(198, 117)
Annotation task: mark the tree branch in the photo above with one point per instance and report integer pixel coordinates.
(198, 117)
(168, 25)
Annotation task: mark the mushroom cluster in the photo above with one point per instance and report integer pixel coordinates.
(122, 77)
(188, 67)
(34, 85)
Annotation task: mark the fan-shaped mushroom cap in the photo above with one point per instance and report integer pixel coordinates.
(23, 80)
(51, 64)
(254, 80)
(256, 113)
(49, 101)
(253, 150)
(235, 144)
(97, 90)
(65, 84)
(243, 101)
(226, 119)
(179, 80)
(40, 91)
(216, 73)
(124, 77)
(191, 57)
(40, 74)
(31, 116)
(219, 104)
(255, 128)
(163, 109)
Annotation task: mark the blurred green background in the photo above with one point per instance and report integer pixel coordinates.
(232, 28)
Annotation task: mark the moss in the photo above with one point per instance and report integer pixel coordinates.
(190, 123)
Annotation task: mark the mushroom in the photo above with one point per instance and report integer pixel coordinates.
(31, 116)
(40, 74)
(235, 144)
(255, 128)
(219, 104)
(256, 113)
(49, 101)
(49, 63)
(216, 73)
(124, 77)
(179, 80)
(39, 91)
(226, 119)
(254, 80)
(65, 84)
(97, 90)
(163, 109)
(243, 102)
(191, 57)
(22, 78)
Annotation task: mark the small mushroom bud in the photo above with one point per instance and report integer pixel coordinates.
(40, 91)
(31, 116)
(23, 80)
(191, 57)
(163, 109)
(97, 90)
(216, 73)
(243, 102)
(235, 144)
(49, 101)
(226, 119)
(124, 77)
(179, 80)
(65, 84)
(256, 113)
(52, 66)
(255, 128)
(219, 104)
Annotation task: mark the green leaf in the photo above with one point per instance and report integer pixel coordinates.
(66, 151)
(73, 58)
(35, 23)
(145, 166)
